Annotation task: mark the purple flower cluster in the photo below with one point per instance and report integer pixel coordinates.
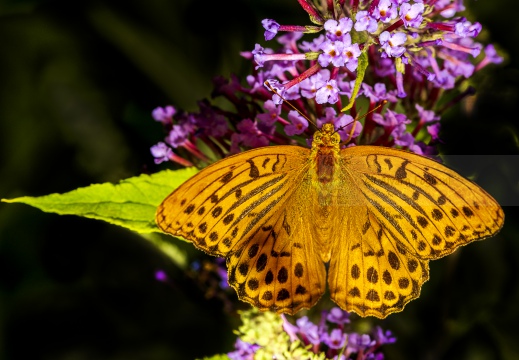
(395, 58)
(334, 337)
(243, 350)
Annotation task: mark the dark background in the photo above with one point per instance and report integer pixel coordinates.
(78, 80)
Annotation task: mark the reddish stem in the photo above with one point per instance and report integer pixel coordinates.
(310, 9)
(312, 70)
(395, 25)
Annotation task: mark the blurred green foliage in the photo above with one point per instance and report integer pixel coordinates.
(78, 81)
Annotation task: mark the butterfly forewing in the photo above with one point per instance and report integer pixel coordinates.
(426, 207)
(226, 202)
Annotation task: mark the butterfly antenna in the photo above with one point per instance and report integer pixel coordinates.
(267, 84)
(352, 131)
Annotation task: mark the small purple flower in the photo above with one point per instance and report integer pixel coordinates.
(384, 67)
(179, 134)
(346, 88)
(412, 14)
(391, 119)
(467, 29)
(384, 337)
(426, 116)
(335, 340)
(400, 2)
(290, 329)
(212, 123)
(378, 93)
(259, 55)
(337, 29)
(315, 45)
(385, 12)
(459, 68)
(244, 350)
(434, 131)
(430, 151)
(309, 86)
(400, 85)
(357, 342)
(308, 330)
(289, 39)
(374, 356)
(298, 126)
(271, 28)
(164, 114)
(491, 57)
(332, 53)
(161, 152)
(402, 137)
(280, 90)
(365, 22)
(330, 117)
(257, 82)
(406, 139)
(345, 124)
(272, 114)
(258, 52)
(444, 79)
(293, 92)
(463, 45)
(329, 93)
(351, 53)
(391, 43)
(249, 134)
(449, 8)
(419, 69)
(160, 275)
(338, 316)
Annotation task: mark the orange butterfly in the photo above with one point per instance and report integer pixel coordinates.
(365, 219)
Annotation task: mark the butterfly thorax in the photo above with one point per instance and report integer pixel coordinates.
(325, 155)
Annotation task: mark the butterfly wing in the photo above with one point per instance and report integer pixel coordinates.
(412, 209)
(369, 272)
(249, 207)
(279, 269)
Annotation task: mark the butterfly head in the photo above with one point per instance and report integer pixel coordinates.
(327, 137)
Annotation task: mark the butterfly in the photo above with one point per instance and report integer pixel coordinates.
(365, 220)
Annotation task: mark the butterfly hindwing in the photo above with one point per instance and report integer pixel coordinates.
(370, 273)
(279, 269)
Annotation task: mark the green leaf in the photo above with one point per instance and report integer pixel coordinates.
(361, 71)
(131, 203)
(169, 245)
